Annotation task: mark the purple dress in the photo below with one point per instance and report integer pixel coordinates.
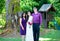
(23, 32)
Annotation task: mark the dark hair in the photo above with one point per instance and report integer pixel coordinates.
(22, 15)
(28, 15)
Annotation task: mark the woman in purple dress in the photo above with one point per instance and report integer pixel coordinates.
(23, 26)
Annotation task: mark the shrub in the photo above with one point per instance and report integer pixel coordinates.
(2, 22)
(42, 27)
(51, 25)
(57, 19)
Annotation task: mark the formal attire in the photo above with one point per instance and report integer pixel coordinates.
(37, 20)
(29, 30)
(23, 32)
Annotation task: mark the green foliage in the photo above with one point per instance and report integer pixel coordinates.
(57, 19)
(53, 13)
(1, 30)
(15, 4)
(42, 26)
(41, 2)
(57, 7)
(52, 1)
(56, 4)
(2, 22)
(4, 10)
(2, 4)
(51, 25)
(26, 5)
(2, 19)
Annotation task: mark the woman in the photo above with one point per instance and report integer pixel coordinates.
(29, 30)
(23, 26)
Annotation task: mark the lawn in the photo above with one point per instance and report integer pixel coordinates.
(53, 35)
(10, 39)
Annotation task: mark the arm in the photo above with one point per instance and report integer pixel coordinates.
(40, 19)
(21, 24)
(32, 14)
(31, 21)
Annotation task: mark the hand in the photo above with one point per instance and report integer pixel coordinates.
(29, 23)
(22, 28)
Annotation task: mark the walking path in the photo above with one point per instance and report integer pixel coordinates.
(13, 34)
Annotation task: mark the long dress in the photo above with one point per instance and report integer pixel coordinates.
(23, 32)
(29, 30)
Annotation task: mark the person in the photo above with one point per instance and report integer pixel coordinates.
(29, 30)
(23, 26)
(37, 21)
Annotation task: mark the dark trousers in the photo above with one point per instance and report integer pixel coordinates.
(36, 31)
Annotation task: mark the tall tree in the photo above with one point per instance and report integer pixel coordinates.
(26, 5)
(12, 8)
(2, 5)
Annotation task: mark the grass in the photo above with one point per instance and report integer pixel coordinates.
(10, 39)
(1, 31)
(52, 35)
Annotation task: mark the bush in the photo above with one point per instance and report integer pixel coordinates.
(57, 19)
(2, 5)
(51, 25)
(2, 22)
(42, 27)
(27, 5)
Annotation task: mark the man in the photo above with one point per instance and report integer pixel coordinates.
(37, 21)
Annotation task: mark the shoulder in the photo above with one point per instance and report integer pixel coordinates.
(20, 18)
(32, 14)
(39, 13)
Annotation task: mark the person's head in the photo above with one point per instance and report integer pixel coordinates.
(23, 15)
(29, 13)
(35, 9)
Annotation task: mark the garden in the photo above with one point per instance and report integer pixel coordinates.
(9, 31)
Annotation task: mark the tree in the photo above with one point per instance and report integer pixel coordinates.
(41, 2)
(2, 5)
(27, 5)
(56, 5)
(12, 8)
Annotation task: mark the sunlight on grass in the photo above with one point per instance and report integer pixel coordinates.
(45, 39)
